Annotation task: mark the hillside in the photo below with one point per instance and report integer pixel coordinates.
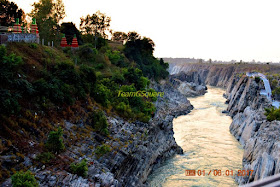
(44, 89)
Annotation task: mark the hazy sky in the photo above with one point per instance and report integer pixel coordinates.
(216, 29)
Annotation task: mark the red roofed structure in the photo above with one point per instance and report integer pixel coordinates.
(16, 27)
(75, 44)
(63, 42)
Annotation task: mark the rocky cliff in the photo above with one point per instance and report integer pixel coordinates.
(250, 127)
(136, 147)
(259, 137)
(188, 83)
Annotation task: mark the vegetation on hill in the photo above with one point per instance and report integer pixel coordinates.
(43, 86)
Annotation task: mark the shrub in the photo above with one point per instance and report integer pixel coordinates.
(102, 150)
(272, 114)
(257, 79)
(80, 168)
(124, 109)
(33, 45)
(102, 94)
(21, 179)
(45, 157)
(99, 122)
(55, 142)
(114, 56)
(9, 102)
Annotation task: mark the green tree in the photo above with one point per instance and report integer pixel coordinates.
(119, 36)
(49, 14)
(21, 179)
(96, 24)
(55, 142)
(272, 113)
(102, 150)
(9, 11)
(99, 122)
(80, 169)
(132, 36)
(70, 29)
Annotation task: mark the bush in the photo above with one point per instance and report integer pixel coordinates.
(21, 179)
(55, 142)
(80, 168)
(8, 102)
(102, 150)
(102, 94)
(257, 79)
(114, 56)
(33, 45)
(45, 157)
(272, 114)
(99, 122)
(124, 109)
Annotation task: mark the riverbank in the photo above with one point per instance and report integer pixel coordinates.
(207, 143)
(136, 148)
(246, 107)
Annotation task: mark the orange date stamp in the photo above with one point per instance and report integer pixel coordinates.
(216, 172)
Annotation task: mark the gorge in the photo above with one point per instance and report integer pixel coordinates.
(246, 107)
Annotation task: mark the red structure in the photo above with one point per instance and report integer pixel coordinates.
(34, 27)
(75, 44)
(63, 42)
(16, 27)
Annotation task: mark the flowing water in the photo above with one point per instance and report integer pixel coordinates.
(207, 143)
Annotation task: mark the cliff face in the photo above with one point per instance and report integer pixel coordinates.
(136, 147)
(188, 83)
(210, 74)
(259, 137)
(250, 127)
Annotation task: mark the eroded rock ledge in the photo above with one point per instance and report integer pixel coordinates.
(260, 138)
(137, 148)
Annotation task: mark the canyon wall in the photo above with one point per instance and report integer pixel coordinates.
(136, 148)
(260, 138)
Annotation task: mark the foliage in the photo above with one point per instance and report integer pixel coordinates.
(119, 36)
(12, 86)
(114, 56)
(272, 113)
(70, 29)
(55, 142)
(257, 79)
(87, 53)
(21, 179)
(33, 45)
(9, 11)
(80, 169)
(102, 150)
(9, 102)
(48, 14)
(102, 94)
(45, 157)
(95, 24)
(141, 51)
(99, 122)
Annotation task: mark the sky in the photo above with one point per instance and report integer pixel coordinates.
(218, 29)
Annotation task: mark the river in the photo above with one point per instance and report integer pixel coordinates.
(207, 143)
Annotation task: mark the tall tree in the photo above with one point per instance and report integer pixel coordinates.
(49, 14)
(9, 11)
(70, 29)
(119, 36)
(96, 24)
(132, 36)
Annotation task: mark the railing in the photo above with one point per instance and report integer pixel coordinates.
(271, 181)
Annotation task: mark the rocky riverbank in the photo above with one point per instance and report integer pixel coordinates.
(250, 127)
(259, 137)
(136, 148)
